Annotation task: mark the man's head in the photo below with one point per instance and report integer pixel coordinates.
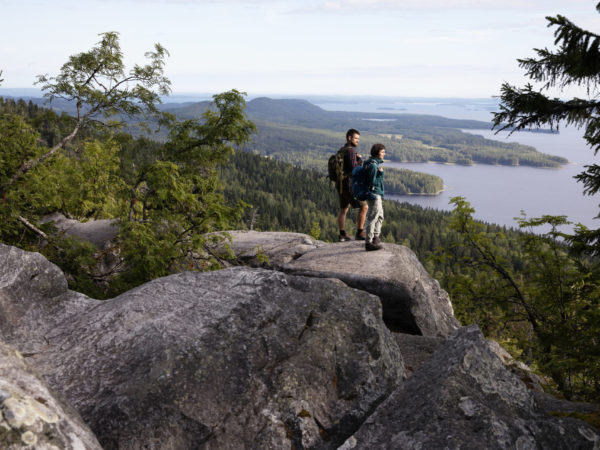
(378, 151)
(352, 137)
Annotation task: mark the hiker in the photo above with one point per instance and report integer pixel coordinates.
(351, 159)
(374, 176)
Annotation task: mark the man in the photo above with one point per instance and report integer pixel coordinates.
(374, 177)
(352, 159)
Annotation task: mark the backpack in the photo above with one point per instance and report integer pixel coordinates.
(335, 168)
(360, 184)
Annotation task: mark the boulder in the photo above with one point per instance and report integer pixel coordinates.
(416, 349)
(413, 302)
(34, 298)
(98, 232)
(464, 397)
(270, 249)
(237, 358)
(31, 417)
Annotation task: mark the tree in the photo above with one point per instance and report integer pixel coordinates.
(174, 198)
(97, 82)
(548, 309)
(550, 305)
(164, 196)
(574, 62)
(99, 85)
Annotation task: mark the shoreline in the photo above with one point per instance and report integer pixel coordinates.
(420, 194)
(561, 166)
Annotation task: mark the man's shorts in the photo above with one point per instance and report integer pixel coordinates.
(347, 199)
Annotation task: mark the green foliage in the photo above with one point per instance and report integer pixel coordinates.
(78, 260)
(574, 62)
(174, 198)
(83, 185)
(549, 308)
(164, 197)
(18, 142)
(99, 85)
(405, 182)
(315, 231)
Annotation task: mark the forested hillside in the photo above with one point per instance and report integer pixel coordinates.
(302, 133)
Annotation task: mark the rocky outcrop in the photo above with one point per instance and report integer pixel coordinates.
(239, 358)
(257, 358)
(416, 350)
(464, 397)
(30, 415)
(412, 300)
(34, 299)
(270, 249)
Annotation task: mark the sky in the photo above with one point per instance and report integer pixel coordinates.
(396, 48)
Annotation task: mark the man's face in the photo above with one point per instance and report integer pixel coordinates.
(353, 139)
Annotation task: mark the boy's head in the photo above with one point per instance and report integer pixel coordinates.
(376, 151)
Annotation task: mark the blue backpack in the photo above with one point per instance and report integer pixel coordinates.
(361, 188)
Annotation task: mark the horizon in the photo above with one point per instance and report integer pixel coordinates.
(38, 93)
(389, 48)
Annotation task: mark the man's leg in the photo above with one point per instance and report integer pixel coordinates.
(342, 218)
(345, 200)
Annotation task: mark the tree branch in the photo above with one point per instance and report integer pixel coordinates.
(32, 227)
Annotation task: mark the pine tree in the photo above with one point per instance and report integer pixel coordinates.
(575, 61)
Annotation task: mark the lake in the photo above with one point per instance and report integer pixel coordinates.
(498, 193)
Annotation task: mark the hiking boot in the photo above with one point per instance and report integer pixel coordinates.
(344, 237)
(360, 236)
(371, 246)
(376, 240)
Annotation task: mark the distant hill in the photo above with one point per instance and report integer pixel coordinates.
(286, 109)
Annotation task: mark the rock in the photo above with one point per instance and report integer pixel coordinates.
(34, 298)
(237, 358)
(31, 417)
(412, 300)
(416, 349)
(98, 232)
(270, 249)
(553, 405)
(533, 381)
(464, 397)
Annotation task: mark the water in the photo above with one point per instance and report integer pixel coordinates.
(455, 108)
(500, 193)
